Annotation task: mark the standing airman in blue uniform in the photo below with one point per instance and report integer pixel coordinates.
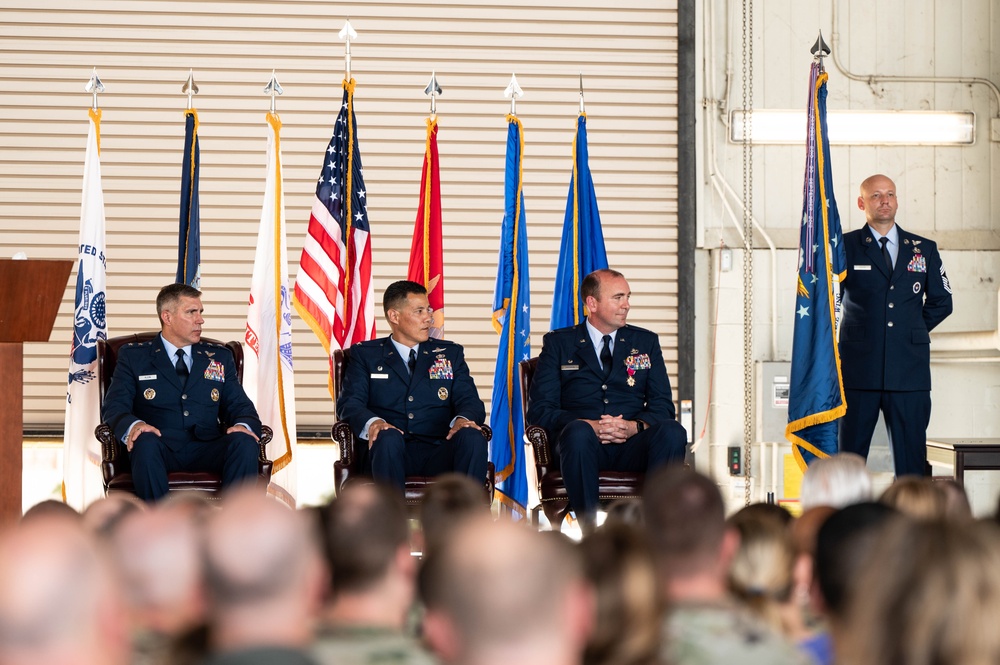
(895, 292)
(602, 393)
(185, 412)
(412, 398)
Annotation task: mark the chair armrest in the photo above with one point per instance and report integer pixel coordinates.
(343, 436)
(266, 434)
(487, 432)
(539, 441)
(109, 447)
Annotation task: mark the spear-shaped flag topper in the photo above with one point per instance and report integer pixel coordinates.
(190, 88)
(347, 33)
(433, 89)
(820, 50)
(94, 86)
(582, 111)
(273, 88)
(513, 90)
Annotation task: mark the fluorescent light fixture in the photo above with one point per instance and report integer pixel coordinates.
(860, 127)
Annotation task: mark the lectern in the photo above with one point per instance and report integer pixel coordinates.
(30, 293)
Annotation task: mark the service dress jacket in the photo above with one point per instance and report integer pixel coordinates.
(377, 384)
(887, 318)
(146, 387)
(569, 382)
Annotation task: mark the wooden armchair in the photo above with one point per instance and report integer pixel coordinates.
(114, 456)
(352, 465)
(552, 494)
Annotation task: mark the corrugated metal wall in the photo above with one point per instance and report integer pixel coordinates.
(143, 50)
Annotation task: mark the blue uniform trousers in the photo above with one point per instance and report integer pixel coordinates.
(582, 456)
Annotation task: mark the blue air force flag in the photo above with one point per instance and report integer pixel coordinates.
(512, 319)
(816, 392)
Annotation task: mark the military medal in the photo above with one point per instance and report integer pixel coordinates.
(215, 394)
(442, 393)
(149, 393)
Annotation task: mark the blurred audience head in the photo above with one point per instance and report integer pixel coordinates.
(760, 575)
(844, 549)
(625, 511)
(957, 507)
(263, 572)
(919, 498)
(59, 601)
(628, 623)
(366, 540)
(804, 531)
(931, 595)
(836, 481)
(686, 523)
(104, 515)
(451, 498)
(50, 508)
(157, 554)
(497, 592)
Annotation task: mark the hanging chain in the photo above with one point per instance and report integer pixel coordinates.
(748, 377)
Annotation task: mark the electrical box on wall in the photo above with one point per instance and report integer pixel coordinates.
(772, 400)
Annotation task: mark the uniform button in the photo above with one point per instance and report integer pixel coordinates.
(892, 288)
(410, 416)
(891, 305)
(186, 414)
(890, 324)
(184, 396)
(605, 400)
(604, 387)
(410, 398)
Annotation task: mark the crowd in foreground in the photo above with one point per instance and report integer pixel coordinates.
(909, 578)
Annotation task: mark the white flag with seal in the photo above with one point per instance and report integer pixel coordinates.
(268, 377)
(82, 482)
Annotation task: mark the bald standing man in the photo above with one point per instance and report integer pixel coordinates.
(895, 292)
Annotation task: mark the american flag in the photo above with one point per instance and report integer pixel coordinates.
(333, 289)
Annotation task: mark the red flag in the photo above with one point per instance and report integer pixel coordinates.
(333, 289)
(426, 255)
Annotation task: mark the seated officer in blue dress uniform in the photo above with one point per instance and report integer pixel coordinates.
(895, 292)
(412, 398)
(602, 393)
(177, 405)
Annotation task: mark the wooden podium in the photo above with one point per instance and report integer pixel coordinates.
(30, 293)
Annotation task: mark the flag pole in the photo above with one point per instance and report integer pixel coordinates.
(433, 89)
(190, 88)
(94, 86)
(273, 88)
(513, 90)
(582, 111)
(347, 33)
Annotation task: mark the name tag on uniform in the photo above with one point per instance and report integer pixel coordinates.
(380, 376)
(867, 267)
(147, 377)
(569, 368)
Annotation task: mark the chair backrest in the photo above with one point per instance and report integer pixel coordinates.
(107, 356)
(339, 360)
(527, 372)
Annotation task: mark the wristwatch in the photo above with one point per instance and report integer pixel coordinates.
(639, 426)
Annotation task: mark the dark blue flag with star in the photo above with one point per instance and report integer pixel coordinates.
(512, 319)
(816, 391)
(189, 236)
(582, 249)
